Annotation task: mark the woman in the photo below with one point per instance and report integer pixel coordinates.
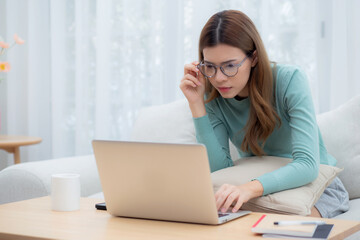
(236, 93)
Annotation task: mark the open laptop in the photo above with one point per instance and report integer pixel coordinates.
(161, 181)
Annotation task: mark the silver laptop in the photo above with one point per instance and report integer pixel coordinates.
(159, 181)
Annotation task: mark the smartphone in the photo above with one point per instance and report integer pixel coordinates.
(100, 206)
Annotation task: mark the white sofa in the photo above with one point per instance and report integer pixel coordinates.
(173, 123)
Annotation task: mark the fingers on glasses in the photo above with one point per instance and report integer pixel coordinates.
(191, 69)
(192, 80)
(191, 75)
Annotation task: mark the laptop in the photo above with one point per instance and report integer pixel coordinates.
(161, 181)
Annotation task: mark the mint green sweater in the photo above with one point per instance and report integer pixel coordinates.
(298, 137)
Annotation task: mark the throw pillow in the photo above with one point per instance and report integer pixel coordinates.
(171, 123)
(340, 130)
(293, 201)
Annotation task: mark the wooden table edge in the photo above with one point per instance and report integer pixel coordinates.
(88, 204)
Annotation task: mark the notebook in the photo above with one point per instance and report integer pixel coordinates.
(265, 225)
(322, 232)
(161, 181)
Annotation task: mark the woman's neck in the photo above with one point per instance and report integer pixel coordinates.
(239, 98)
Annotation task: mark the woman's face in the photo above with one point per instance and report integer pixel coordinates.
(229, 87)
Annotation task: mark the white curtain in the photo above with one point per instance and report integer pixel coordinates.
(338, 52)
(88, 66)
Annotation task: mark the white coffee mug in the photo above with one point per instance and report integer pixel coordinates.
(65, 192)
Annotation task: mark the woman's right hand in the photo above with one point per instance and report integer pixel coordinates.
(193, 84)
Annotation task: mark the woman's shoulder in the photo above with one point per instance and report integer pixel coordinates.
(286, 71)
(291, 83)
(286, 75)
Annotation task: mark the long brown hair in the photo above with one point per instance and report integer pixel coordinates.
(236, 29)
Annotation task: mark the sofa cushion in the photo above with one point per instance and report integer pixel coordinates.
(340, 129)
(170, 123)
(293, 201)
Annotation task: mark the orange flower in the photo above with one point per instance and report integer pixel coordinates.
(4, 67)
(4, 44)
(18, 40)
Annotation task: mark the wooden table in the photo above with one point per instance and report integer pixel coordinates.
(34, 219)
(12, 144)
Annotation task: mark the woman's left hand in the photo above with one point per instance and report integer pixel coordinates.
(229, 194)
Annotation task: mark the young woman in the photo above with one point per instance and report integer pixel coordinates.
(236, 93)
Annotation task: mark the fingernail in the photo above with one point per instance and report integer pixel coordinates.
(223, 210)
(234, 210)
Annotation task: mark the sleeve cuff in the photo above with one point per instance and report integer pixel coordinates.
(269, 183)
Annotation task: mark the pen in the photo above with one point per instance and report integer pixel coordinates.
(283, 223)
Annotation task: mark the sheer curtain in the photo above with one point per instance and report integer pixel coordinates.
(88, 66)
(338, 52)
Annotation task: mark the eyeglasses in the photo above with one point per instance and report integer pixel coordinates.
(228, 69)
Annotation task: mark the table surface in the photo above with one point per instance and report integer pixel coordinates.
(34, 219)
(12, 141)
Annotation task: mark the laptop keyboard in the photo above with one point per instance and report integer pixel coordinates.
(222, 214)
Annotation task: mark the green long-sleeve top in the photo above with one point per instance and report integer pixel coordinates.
(298, 136)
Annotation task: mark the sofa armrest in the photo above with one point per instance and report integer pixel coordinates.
(33, 179)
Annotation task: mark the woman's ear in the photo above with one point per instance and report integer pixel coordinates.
(254, 59)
